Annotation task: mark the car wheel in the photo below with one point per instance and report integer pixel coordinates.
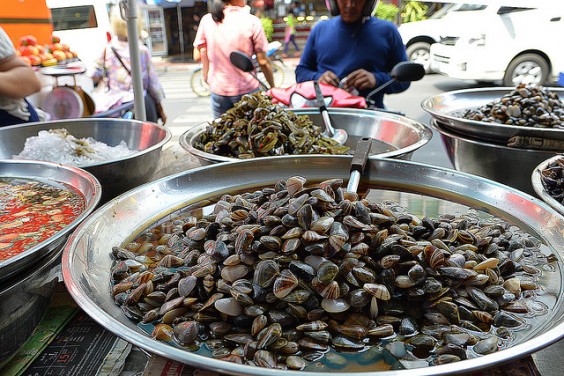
(528, 69)
(420, 53)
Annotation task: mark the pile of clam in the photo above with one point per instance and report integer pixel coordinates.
(297, 274)
(552, 178)
(526, 105)
(255, 127)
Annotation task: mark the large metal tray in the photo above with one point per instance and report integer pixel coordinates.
(424, 190)
(77, 178)
(447, 107)
(403, 134)
(536, 180)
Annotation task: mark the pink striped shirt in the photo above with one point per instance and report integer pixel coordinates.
(239, 31)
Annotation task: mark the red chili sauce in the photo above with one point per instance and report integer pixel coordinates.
(32, 211)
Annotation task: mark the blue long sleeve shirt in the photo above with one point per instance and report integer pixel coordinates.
(342, 48)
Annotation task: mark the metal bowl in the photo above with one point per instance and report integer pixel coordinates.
(23, 301)
(447, 107)
(510, 166)
(400, 135)
(536, 180)
(77, 178)
(116, 176)
(422, 189)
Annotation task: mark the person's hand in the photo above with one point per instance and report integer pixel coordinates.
(360, 79)
(330, 78)
(160, 113)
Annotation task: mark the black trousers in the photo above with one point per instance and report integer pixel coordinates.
(151, 108)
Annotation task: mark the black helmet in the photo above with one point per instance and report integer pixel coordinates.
(366, 12)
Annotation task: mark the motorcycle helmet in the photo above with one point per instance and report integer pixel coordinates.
(369, 7)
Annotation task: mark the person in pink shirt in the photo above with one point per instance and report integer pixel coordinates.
(230, 27)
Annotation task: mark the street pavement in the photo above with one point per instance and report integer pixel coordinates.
(185, 109)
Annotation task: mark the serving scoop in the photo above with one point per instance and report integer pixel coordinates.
(360, 156)
(339, 135)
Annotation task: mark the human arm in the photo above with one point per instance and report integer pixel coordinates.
(196, 55)
(160, 112)
(260, 46)
(154, 87)
(205, 63)
(99, 68)
(17, 79)
(200, 47)
(265, 67)
(396, 54)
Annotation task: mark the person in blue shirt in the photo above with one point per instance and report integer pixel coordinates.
(353, 51)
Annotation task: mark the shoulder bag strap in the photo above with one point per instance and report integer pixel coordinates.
(121, 61)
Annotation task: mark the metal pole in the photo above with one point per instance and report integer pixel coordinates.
(180, 31)
(130, 8)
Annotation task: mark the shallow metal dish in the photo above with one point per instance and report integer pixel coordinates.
(403, 134)
(447, 107)
(23, 301)
(116, 176)
(86, 259)
(536, 180)
(510, 166)
(77, 178)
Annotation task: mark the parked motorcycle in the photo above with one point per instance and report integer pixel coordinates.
(199, 86)
(303, 94)
(273, 52)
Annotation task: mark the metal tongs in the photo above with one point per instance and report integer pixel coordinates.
(339, 135)
(358, 163)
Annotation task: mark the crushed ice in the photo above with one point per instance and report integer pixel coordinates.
(58, 145)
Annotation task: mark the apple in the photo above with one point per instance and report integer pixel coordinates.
(59, 55)
(30, 50)
(34, 59)
(28, 40)
(55, 39)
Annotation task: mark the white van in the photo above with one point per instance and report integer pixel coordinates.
(83, 25)
(418, 36)
(510, 44)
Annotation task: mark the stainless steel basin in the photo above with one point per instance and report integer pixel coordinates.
(426, 190)
(117, 175)
(447, 108)
(510, 166)
(394, 136)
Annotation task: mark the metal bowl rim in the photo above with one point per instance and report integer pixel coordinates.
(536, 180)
(437, 126)
(137, 153)
(95, 199)
(165, 350)
(425, 104)
(186, 140)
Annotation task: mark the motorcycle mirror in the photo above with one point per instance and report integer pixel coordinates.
(403, 71)
(241, 61)
(408, 71)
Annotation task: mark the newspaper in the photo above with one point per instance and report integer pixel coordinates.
(68, 342)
